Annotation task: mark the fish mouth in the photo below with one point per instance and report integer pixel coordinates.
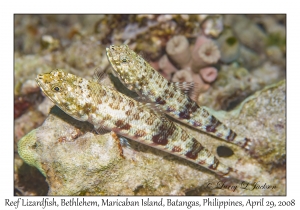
(110, 53)
(39, 80)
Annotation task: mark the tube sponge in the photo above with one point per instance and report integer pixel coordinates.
(209, 74)
(229, 46)
(166, 66)
(183, 76)
(178, 50)
(204, 54)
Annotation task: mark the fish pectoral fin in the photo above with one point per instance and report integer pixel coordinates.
(124, 142)
(100, 130)
(157, 108)
(141, 99)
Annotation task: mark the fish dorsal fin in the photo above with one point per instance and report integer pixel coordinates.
(152, 107)
(184, 87)
(187, 88)
(100, 74)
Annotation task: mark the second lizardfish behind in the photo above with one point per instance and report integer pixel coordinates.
(135, 73)
(106, 108)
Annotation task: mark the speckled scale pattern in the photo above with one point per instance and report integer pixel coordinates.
(135, 73)
(105, 107)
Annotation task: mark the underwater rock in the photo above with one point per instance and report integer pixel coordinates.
(249, 58)
(76, 161)
(213, 25)
(94, 55)
(275, 55)
(235, 83)
(248, 32)
(25, 69)
(29, 86)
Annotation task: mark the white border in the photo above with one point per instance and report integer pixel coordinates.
(153, 6)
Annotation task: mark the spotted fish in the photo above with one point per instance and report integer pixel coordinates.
(106, 108)
(135, 73)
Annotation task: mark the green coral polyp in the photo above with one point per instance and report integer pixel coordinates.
(26, 150)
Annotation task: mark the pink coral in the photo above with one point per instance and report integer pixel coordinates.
(205, 53)
(209, 74)
(186, 75)
(199, 42)
(199, 86)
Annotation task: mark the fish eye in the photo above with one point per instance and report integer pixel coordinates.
(56, 88)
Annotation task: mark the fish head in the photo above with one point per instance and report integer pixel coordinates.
(128, 66)
(67, 91)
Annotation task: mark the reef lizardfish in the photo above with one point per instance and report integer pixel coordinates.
(137, 75)
(106, 108)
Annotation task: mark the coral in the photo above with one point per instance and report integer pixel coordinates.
(212, 26)
(204, 53)
(209, 74)
(186, 75)
(229, 46)
(235, 83)
(183, 75)
(207, 54)
(167, 67)
(26, 150)
(89, 164)
(248, 33)
(178, 49)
